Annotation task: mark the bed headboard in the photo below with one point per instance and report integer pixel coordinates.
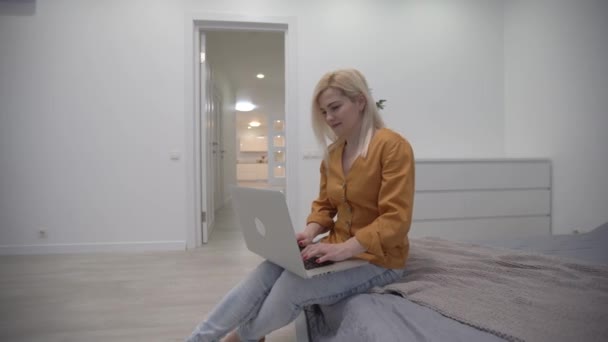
(469, 199)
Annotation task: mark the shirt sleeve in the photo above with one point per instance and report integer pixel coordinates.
(395, 202)
(322, 211)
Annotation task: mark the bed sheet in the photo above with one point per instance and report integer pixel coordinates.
(385, 317)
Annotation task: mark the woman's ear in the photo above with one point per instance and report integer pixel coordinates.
(361, 102)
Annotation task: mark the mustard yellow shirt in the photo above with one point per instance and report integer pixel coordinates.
(373, 202)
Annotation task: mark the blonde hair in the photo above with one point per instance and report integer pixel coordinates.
(351, 83)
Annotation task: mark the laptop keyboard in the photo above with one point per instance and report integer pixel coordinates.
(311, 263)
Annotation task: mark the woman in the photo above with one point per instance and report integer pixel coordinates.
(367, 185)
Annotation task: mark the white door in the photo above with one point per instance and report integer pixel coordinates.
(218, 149)
(214, 167)
(207, 131)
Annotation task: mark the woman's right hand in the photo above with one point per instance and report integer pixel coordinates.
(306, 236)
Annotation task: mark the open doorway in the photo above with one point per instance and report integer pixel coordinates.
(249, 68)
(242, 116)
(199, 185)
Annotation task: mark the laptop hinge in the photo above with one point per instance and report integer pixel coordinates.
(203, 216)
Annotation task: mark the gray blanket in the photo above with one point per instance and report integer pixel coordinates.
(514, 295)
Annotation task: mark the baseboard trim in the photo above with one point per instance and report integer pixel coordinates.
(104, 247)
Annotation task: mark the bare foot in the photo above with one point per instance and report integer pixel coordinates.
(232, 337)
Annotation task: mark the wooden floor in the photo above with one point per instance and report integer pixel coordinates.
(154, 296)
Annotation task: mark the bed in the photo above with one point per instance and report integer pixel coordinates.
(483, 266)
(387, 314)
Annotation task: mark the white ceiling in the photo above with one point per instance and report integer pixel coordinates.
(240, 56)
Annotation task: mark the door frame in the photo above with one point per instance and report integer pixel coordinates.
(208, 21)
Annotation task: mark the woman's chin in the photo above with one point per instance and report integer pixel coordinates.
(338, 134)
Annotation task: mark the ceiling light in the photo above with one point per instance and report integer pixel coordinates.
(254, 123)
(244, 106)
(248, 127)
(260, 76)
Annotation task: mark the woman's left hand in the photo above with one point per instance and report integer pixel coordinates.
(333, 252)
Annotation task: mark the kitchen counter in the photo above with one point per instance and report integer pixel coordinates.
(251, 171)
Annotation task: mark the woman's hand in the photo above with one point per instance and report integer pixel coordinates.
(306, 236)
(333, 252)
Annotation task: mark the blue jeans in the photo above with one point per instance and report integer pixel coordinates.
(271, 297)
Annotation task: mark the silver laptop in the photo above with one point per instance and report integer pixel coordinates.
(264, 218)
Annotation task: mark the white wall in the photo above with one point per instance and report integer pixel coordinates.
(92, 102)
(556, 100)
(439, 64)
